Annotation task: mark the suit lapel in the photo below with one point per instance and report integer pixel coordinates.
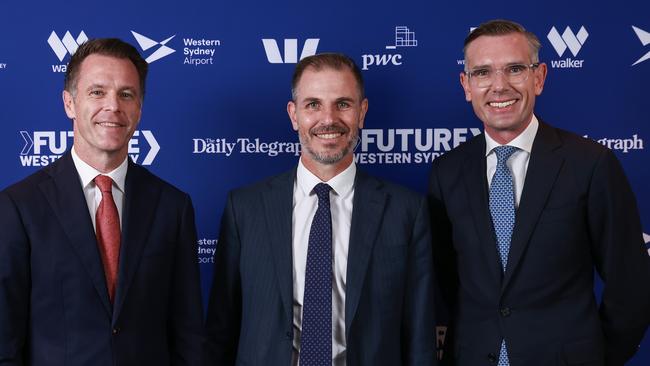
(278, 208)
(475, 180)
(140, 204)
(543, 168)
(65, 195)
(367, 213)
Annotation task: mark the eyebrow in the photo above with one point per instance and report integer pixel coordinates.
(491, 66)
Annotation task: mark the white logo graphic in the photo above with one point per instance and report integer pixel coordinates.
(146, 43)
(45, 147)
(403, 38)
(65, 45)
(567, 40)
(644, 37)
(290, 50)
(646, 239)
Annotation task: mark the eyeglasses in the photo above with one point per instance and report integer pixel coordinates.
(515, 74)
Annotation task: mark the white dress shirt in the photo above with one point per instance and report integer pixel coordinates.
(305, 203)
(92, 193)
(518, 162)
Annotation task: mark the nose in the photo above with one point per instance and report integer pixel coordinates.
(111, 102)
(329, 114)
(499, 80)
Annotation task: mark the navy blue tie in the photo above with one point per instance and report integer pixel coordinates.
(316, 336)
(502, 209)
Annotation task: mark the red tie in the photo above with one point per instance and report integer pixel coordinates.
(107, 222)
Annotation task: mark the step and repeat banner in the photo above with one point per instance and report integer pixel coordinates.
(214, 117)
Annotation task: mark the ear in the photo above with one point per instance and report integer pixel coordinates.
(464, 82)
(68, 104)
(540, 77)
(291, 111)
(362, 114)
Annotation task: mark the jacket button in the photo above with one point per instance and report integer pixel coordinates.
(116, 330)
(289, 335)
(505, 311)
(492, 357)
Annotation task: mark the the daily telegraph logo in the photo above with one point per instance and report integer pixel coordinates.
(196, 51)
(45, 147)
(644, 37)
(404, 37)
(623, 145)
(409, 145)
(243, 145)
(273, 55)
(567, 40)
(67, 45)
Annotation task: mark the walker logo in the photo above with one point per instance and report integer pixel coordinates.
(646, 239)
(409, 145)
(146, 43)
(644, 37)
(65, 45)
(404, 37)
(570, 40)
(290, 50)
(45, 147)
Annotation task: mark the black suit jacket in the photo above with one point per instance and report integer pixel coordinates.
(54, 305)
(389, 301)
(576, 213)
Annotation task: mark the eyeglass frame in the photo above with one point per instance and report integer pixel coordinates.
(533, 66)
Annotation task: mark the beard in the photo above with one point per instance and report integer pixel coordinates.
(329, 157)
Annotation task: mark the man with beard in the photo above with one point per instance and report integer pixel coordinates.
(323, 265)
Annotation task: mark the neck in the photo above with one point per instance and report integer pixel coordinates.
(104, 163)
(325, 172)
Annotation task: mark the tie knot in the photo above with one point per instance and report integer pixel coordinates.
(504, 152)
(322, 191)
(105, 183)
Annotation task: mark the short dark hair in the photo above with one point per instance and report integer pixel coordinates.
(336, 61)
(112, 47)
(500, 27)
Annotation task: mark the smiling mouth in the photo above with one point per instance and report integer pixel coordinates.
(109, 124)
(502, 104)
(329, 136)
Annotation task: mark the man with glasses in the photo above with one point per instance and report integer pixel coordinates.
(521, 218)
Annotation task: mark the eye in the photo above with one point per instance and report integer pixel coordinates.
(516, 69)
(312, 105)
(96, 93)
(480, 73)
(343, 105)
(126, 95)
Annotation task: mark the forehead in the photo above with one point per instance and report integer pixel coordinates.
(501, 49)
(104, 69)
(327, 82)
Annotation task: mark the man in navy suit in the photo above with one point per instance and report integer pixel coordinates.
(376, 303)
(97, 255)
(522, 215)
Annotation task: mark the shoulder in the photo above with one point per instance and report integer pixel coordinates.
(145, 178)
(367, 184)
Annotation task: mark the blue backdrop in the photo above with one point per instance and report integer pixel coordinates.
(215, 117)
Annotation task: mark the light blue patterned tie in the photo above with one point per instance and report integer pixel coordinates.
(502, 209)
(316, 336)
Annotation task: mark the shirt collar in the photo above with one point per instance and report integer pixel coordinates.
(341, 184)
(87, 173)
(523, 142)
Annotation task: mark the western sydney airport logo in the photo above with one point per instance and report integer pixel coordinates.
(404, 38)
(196, 51)
(45, 147)
(644, 37)
(567, 40)
(64, 46)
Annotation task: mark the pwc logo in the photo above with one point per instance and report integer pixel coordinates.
(404, 37)
(64, 46)
(45, 147)
(644, 37)
(567, 40)
(290, 50)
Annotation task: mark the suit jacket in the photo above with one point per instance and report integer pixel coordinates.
(577, 212)
(54, 304)
(389, 299)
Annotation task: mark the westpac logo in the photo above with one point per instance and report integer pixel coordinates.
(644, 37)
(64, 46)
(290, 50)
(567, 40)
(146, 43)
(45, 147)
(409, 145)
(404, 37)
